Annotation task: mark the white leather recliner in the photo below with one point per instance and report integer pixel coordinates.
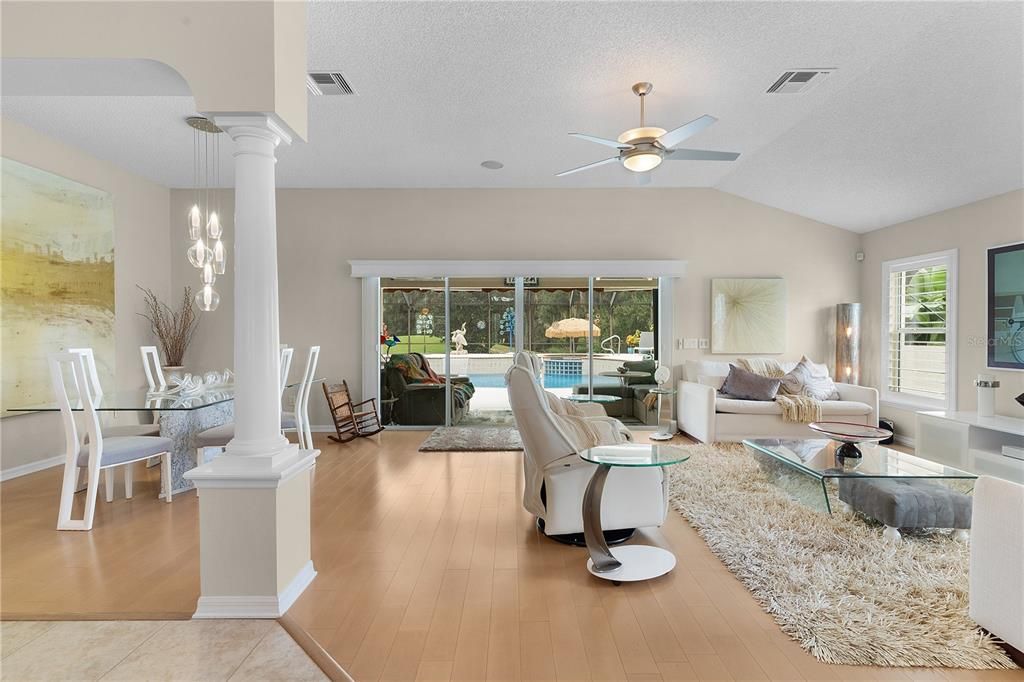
(556, 477)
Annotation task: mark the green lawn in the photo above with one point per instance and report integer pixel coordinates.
(416, 344)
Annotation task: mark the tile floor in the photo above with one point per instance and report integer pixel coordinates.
(190, 650)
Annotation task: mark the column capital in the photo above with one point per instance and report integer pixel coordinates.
(265, 126)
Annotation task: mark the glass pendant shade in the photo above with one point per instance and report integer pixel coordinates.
(207, 299)
(220, 257)
(195, 223)
(199, 254)
(208, 275)
(213, 228)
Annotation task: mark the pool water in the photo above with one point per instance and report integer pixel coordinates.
(550, 380)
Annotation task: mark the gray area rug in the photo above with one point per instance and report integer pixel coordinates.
(831, 582)
(472, 439)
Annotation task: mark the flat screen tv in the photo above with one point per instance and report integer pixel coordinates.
(1006, 307)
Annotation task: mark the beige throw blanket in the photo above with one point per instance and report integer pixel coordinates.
(795, 408)
(580, 431)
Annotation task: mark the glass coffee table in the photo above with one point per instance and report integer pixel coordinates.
(630, 562)
(808, 469)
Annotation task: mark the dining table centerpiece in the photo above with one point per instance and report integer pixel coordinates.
(173, 328)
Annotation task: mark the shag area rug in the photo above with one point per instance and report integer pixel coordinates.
(831, 582)
(472, 439)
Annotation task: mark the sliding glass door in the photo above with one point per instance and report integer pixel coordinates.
(446, 344)
(482, 313)
(413, 314)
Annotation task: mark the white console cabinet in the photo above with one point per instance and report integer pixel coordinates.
(966, 441)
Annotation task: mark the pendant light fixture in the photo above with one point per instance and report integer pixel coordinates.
(206, 251)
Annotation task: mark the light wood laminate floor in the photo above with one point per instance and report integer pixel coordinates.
(429, 569)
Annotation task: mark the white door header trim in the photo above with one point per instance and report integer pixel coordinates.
(518, 268)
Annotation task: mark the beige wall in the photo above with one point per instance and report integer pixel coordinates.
(971, 229)
(141, 243)
(718, 234)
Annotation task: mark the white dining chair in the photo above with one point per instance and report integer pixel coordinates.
(110, 430)
(151, 363)
(298, 419)
(286, 365)
(220, 436)
(99, 454)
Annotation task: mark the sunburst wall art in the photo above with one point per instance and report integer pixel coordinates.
(748, 316)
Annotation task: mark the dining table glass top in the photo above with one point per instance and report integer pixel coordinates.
(141, 399)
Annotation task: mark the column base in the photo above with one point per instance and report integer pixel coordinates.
(255, 606)
(254, 533)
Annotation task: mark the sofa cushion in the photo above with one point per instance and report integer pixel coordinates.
(811, 380)
(693, 369)
(737, 406)
(831, 408)
(647, 366)
(749, 386)
(714, 382)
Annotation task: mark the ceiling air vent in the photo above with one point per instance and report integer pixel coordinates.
(328, 83)
(793, 82)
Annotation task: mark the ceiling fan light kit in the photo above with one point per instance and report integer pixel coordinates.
(642, 149)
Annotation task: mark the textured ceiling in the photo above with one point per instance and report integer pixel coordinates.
(924, 112)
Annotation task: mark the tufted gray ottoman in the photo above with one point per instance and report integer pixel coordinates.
(905, 503)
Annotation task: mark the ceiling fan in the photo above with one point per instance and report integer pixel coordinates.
(643, 149)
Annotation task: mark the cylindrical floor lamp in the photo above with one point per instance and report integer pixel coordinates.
(848, 343)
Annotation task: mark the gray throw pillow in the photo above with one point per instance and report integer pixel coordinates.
(746, 385)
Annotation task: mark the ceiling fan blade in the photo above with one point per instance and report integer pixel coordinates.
(674, 137)
(700, 155)
(600, 140)
(643, 178)
(588, 166)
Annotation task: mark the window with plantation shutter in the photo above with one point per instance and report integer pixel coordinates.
(919, 330)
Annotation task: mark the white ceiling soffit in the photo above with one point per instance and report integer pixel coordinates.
(921, 113)
(517, 268)
(77, 77)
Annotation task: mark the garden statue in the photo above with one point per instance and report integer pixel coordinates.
(459, 339)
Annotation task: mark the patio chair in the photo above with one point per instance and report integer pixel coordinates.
(351, 420)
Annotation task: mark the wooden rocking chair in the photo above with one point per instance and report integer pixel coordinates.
(350, 420)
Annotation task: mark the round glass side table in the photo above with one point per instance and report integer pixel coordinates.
(629, 562)
(595, 398)
(664, 431)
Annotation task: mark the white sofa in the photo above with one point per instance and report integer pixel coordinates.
(997, 559)
(708, 417)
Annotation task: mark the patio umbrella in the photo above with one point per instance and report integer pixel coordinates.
(572, 328)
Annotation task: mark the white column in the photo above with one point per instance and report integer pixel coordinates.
(254, 510)
(257, 337)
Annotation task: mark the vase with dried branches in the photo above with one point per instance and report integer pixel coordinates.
(173, 327)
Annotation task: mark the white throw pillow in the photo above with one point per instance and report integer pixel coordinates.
(810, 379)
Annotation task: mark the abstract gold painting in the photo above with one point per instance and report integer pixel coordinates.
(57, 281)
(748, 316)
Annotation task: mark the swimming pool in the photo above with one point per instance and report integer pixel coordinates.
(550, 380)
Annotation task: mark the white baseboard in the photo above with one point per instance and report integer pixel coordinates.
(31, 467)
(296, 587)
(256, 606)
(906, 441)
